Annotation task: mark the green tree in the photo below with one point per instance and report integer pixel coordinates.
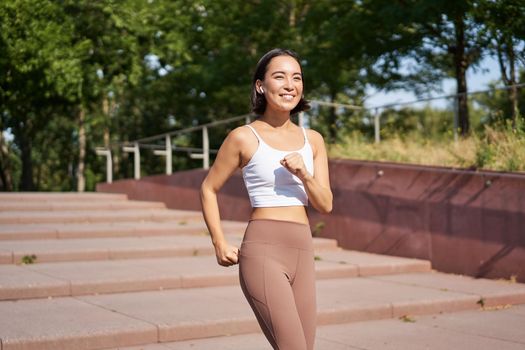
(110, 33)
(504, 23)
(439, 39)
(39, 70)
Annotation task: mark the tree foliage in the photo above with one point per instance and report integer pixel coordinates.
(79, 74)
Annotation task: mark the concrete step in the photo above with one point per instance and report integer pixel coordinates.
(72, 205)
(118, 320)
(47, 250)
(40, 197)
(490, 329)
(81, 278)
(90, 216)
(110, 229)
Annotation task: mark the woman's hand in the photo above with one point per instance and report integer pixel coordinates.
(294, 163)
(226, 254)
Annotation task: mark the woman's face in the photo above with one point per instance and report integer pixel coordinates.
(282, 84)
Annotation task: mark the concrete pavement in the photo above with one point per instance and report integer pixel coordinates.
(134, 275)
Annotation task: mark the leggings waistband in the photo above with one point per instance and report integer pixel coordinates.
(288, 233)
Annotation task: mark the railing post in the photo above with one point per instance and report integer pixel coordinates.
(301, 119)
(136, 158)
(456, 117)
(205, 148)
(109, 163)
(205, 155)
(247, 119)
(377, 135)
(169, 163)
(167, 153)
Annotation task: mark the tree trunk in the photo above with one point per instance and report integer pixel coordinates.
(26, 183)
(332, 121)
(81, 181)
(5, 165)
(105, 112)
(461, 64)
(505, 47)
(513, 95)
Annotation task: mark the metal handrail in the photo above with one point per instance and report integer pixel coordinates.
(204, 152)
(190, 129)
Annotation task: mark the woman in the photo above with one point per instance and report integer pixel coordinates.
(284, 166)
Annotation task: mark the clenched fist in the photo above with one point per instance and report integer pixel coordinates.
(226, 254)
(294, 163)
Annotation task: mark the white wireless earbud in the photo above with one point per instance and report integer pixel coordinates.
(262, 91)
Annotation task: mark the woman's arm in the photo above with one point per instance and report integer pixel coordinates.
(317, 186)
(226, 162)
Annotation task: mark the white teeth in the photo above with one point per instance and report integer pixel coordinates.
(288, 97)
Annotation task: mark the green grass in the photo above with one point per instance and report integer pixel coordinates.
(499, 150)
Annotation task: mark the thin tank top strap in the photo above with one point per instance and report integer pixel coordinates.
(255, 132)
(304, 133)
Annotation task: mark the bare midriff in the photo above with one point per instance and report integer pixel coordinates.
(292, 213)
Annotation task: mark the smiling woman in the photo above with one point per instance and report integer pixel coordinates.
(284, 167)
(291, 70)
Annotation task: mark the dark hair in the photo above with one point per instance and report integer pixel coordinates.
(258, 100)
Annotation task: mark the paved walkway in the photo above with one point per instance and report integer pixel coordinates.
(135, 275)
(501, 329)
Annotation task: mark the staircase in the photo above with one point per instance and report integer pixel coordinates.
(99, 271)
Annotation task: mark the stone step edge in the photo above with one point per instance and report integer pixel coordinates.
(78, 206)
(325, 341)
(179, 228)
(158, 333)
(67, 288)
(10, 257)
(60, 196)
(201, 330)
(119, 216)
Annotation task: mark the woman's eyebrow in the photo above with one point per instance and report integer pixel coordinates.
(283, 72)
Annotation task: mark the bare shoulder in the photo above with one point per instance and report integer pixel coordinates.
(239, 136)
(315, 138)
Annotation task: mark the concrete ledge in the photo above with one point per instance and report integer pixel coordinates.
(120, 248)
(80, 205)
(206, 329)
(67, 323)
(488, 292)
(368, 264)
(99, 277)
(118, 229)
(23, 217)
(60, 196)
(479, 330)
(85, 322)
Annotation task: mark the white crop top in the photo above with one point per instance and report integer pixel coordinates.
(269, 184)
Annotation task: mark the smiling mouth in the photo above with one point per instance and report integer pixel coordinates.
(288, 97)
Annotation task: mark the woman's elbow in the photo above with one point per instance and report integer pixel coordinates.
(204, 189)
(326, 209)
(207, 189)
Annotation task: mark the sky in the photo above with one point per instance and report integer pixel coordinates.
(476, 80)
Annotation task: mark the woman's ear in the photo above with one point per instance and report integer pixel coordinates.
(258, 87)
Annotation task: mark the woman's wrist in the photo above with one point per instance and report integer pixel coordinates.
(305, 177)
(218, 242)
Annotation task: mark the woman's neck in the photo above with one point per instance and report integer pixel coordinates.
(278, 120)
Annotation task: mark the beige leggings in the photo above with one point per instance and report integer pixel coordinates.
(277, 276)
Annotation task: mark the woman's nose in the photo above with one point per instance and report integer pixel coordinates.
(288, 84)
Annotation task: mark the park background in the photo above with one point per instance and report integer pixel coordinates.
(77, 75)
(424, 247)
